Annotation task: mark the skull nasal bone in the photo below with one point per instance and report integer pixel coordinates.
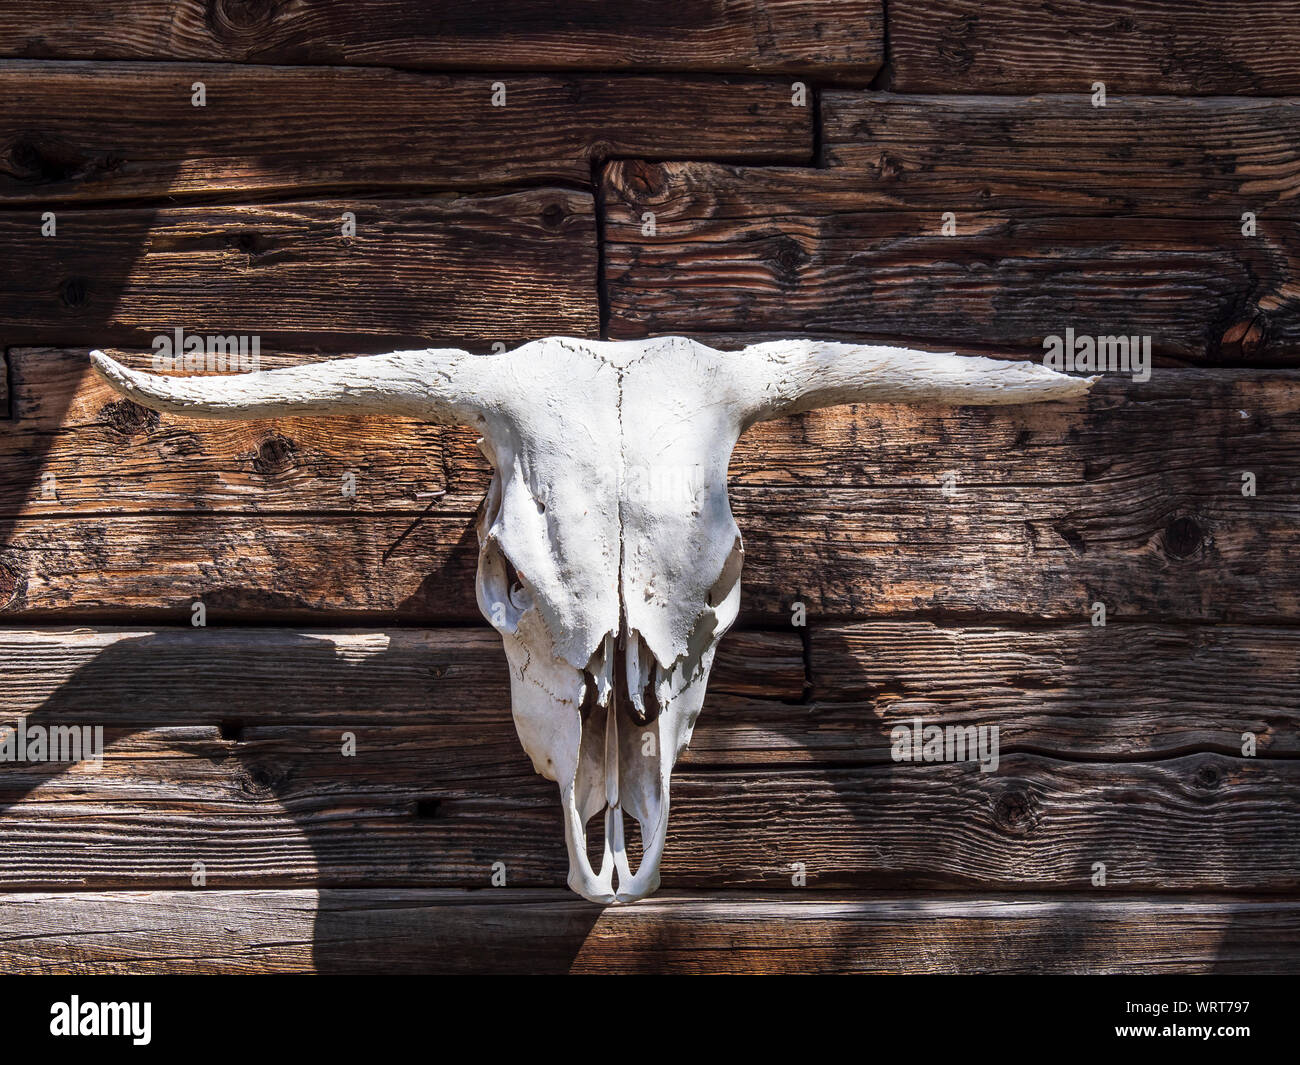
(635, 670)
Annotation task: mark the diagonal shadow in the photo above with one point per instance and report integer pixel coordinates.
(250, 740)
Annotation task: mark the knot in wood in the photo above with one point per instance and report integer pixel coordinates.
(1183, 538)
(1017, 812)
(275, 456)
(128, 418)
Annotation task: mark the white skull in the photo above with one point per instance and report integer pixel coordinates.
(608, 557)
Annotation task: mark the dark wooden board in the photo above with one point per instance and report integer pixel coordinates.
(315, 569)
(437, 805)
(469, 270)
(478, 224)
(1132, 498)
(824, 38)
(750, 250)
(1124, 691)
(101, 131)
(1121, 692)
(1053, 155)
(514, 931)
(266, 676)
(1184, 47)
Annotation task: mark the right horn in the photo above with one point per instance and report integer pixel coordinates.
(788, 376)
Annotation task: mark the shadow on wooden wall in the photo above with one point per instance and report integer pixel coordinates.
(441, 802)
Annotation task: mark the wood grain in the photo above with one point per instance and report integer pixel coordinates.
(778, 250)
(1133, 499)
(519, 931)
(271, 676)
(1184, 47)
(102, 131)
(437, 805)
(224, 748)
(1123, 692)
(826, 38)
(1053, 155)
(464, 270)
(76, 444)
(1119, 745)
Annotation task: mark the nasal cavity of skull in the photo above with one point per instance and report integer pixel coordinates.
(590, 695)
(595, 830)
(634, 680)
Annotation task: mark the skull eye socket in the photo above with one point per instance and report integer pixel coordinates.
(503, 591)
(517, 590)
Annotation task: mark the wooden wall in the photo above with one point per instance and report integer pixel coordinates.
(1121, 744)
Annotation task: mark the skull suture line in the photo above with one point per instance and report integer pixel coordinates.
(609, 593)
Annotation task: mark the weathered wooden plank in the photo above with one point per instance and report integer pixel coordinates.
(1133, 498)
(425, 931)
(76, 445)
(109, 130)
(826, 38)
(438, 805)
(1070, 692)
(1184, 47)
(1188, 157)
(129, 678)
(793, 251)
(473, 269)
(289, 568)
(1123, 691)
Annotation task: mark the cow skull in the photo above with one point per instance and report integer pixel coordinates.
(608, 557)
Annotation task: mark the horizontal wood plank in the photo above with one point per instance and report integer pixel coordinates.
(1133, 498)
(777, 250)
(827, 38)
(467, 270)
(102, 131)
(1184, 47)
(260, 676)
(76, 444)
(224, 747)
(1068, 691)
(1178, 156)
(430, 931)
(437, 805)
(293, 567)
(1123, 691)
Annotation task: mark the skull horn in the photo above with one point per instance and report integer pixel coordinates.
(789, 376)
(440, 384)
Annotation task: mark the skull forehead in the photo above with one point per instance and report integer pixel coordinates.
(617, 465)
(545, 512)
(679, 537)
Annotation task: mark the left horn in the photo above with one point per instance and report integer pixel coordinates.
(442, 384)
